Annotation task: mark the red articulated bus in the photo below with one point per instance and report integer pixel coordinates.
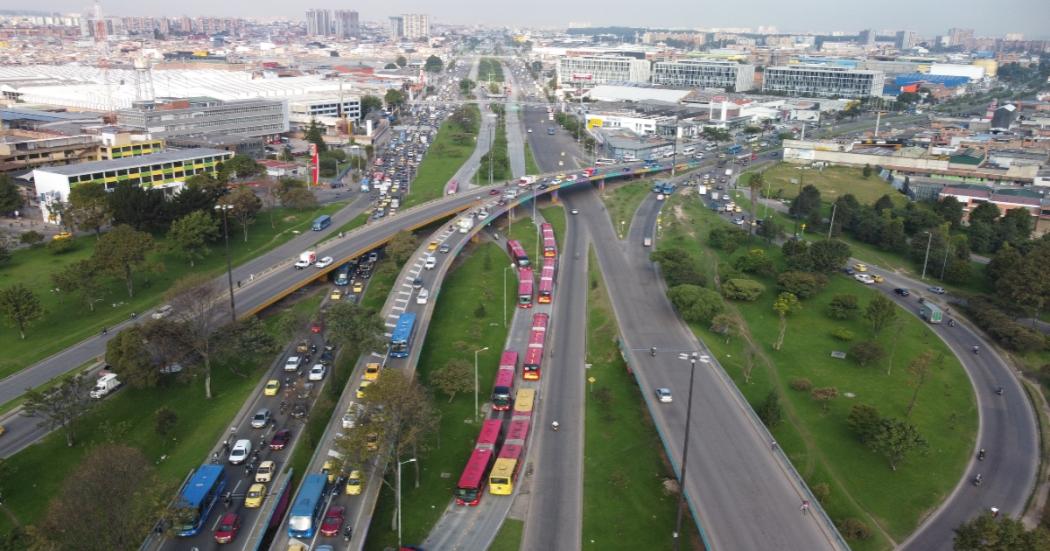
(546, 294)
(534, 354)
(517, 253)
(501, 391)
(525, 285)
(472, 482)
(550, 244)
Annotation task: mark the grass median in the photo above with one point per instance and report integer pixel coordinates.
(467, 317)
(530, 161)
(622, 200)
(452, 146)
(509, 536)
(128, 417)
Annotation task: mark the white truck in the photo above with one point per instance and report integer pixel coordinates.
(465, 223)
(306, 259)
(729, 172)
(526, 181)
(105, 384)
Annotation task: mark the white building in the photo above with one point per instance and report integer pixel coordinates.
(410, 26)
(638, 123)
(582, 72)
(694, 73)
(972, 72)
(320, 107)
(820, 81)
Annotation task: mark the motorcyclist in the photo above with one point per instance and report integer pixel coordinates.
(555, 425)
(976, 349)
(652, 351)
(977, 480)
(980, 455)
(951, 322)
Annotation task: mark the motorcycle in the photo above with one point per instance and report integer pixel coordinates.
(555, 426)
(977, 480)
(980, 455)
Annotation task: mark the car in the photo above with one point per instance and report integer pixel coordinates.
(299, 410)
(254, 498)
(864, 278)
(240, 451)
(429, 262)
(529, 131)
(293, 363)
(860, 267)
(352, 415)
(444, 248)
(936, 290)
(849, 271)
(361, 389)
(162, 312)
(358, 287)
(302, 264)
(574, 211)
(337, 294)
(353, 483)
(333, 522)
(371, 371)
(316, 327)
(417, 283)
(228, 527)
(493, 192)
(329, 469)
(663, 394)
(261, 418)
(432, 246)
(317, 373)
(265, 471)
(422, 296)
(902, 291)
(280, 439)
(3, 429)
(272, 387)
(327, 357)
(877, 278)
(324, 262)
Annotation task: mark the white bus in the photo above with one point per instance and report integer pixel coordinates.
(602, 162)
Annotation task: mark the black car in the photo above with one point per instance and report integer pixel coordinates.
(417, 283)
(902, 291)
(299, 410)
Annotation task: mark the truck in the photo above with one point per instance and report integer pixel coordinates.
(930, 312)
(105, 384)
(306, 259)
(465, 223)
(729, 172)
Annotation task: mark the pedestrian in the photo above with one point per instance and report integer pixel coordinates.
(773, 445)
(804, 507)
(251, 278)
(238, 284)
(995, 512)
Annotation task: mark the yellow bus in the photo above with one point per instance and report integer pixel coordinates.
(511, 458)
(523, 403)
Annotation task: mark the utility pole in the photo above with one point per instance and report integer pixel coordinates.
(832, 224)
(927, 259)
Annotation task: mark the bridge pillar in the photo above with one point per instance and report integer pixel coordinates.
(601, 185)
(554, 197)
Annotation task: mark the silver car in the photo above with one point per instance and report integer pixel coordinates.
(261, 418)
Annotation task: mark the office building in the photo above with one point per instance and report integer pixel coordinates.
(866, 38)
(304, 110)
(960, 37)
(397, 27)
(319, 22)
(24, 149)
(171, 117)
(346, 24)
(168, 170)
(584, 72)
(691, 73)
(906, 40)
(409, 26)
(803, 80)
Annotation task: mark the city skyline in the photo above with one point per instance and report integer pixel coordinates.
(819, 16)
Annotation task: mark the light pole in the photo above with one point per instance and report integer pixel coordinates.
(229, 266)
(399, 464)
(929, 241)
(685, 448)
(476, 352)
(511, 267)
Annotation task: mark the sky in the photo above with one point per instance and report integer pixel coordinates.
(927, 17)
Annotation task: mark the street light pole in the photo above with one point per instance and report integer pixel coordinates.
(476, 352)
(685, 449)
(511, 267)
(229, 265)
(399, 464)
(927, 259)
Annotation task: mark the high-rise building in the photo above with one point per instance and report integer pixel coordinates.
(694, 73)
(866, 38)
(960, 37)
(822, 81)
(588, 71)
(318, 22)
(346, 24)
(415, 25)
(906, 40)
(397, 27)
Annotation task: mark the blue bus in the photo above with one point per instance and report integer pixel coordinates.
(198, 496)
(342, 275)
(401, 339)
(322, 222)
(734, 149)
(307, 507)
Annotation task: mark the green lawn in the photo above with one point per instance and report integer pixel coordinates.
(355, 222)
(379, 285)
(509, 536)
(66, 322)
(622, 200)
(820, 445)
(625, 505)
(467, 317)
(528, 233)
(497, 155)
(128, 417)
(490, 69)
(451, 148)
(530, 162)
(833, 182)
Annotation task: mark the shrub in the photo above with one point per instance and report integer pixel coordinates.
(696, 304)
(726, 238)
(31, 238)
(754, 262)
(863, 421)
(801, 384)
(822, 492)
(769, 411)
(679, 267)
(843, 307)
(742, 289)
(801, 284)
(1003, 329)
(165, 421)
(866, 352)
(842, 334)
(61, 246)
(854, 529)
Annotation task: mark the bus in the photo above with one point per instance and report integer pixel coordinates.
(401, 338)
(308, 506)
(524, 403)
(546, 294)
(198, 497)
(550, 244)
(534, 354)
(508, 364)
(734, 149)
(342, 275)
(322, 222)
(510, 459)
(472, 482)
(525, 283)
(517, 253)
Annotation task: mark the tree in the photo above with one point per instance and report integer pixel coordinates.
(984, 213)
(867, 352)
(801, 284)
(828, 255)
(990, 533)
(726, 325)
(299, 198)
(89, 207)
(863, 421)
(394, 98)
(951, 210)
(127, 498)
(696, 304)
(391, 66)
(10, 196)
(769, 229)
(919, 372)
(244, 205)
(1015, 227)
(784, 305)
(466, 85)
(128, 355)
(806, 202)
(240, 166)
(401, 61)
(61, 405)
(824, 396)
(742, 289)
(357, 328)
(895, 439)
(20, 307)
(82, 278)
(401, 247)
(433, 64)
(122, 251)
(137, 207)
(866, 171)
(164, 421)
(755, 261)
(456, 376)
(31, 238)
(315, 135)
(250, 336)
(770, 411)
(189, 236)
(371, 103)
(883, 203)
(880, 312)
(198, 305)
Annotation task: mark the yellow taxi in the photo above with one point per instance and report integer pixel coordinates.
(265, 471)
(877, 278)
(329, 470)
(372, 441)
(272, 387)
(359, 287)
(736, 208)
(371, 371)
(254, 498)
(62, 235)
(860, 267)
(336, 295)
(432, 246)
(361, 389)
(353, 483)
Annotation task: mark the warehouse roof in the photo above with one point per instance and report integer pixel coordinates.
(166, 156)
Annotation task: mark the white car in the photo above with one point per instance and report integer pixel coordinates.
(324, 262)
(429, 262)
(864, 278)
(301, 264)
(663, 395)
(316, 373)
(162, 312)
(292, 363)
(574, 211)
(240, 452)
(423, 295)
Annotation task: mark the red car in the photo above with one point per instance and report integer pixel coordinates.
(316, 326)
(333, 522)
(493, 192)
(280, 440)
(228, 527)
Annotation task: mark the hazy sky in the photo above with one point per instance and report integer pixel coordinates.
(928, 17)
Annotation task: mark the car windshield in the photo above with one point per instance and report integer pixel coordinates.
(226, 527)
